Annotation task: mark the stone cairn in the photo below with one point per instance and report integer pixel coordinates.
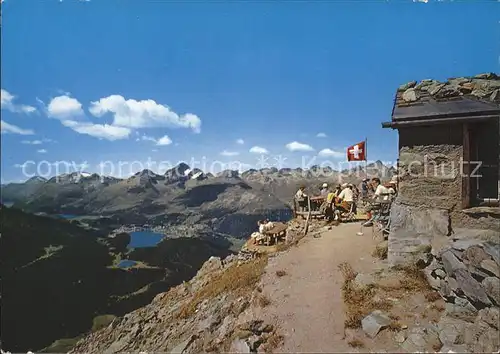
(467, 275)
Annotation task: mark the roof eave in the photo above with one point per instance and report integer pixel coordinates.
(435, 121)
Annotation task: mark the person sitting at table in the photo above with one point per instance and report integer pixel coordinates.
(346, 198)
(392, 189)
(264, 226)
(381, 194)
(337, 190)
(324, 190)
(301, 198)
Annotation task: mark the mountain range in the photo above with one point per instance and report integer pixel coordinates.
(228, 203)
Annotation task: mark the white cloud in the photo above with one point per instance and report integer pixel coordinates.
(42, 151)
(259, 150)
(10, 128)
(31, 142)
(7, 102)
(296, 146)
(229, 153)
(147, 138)
(240, 141)
(154, 150)
(165, 140)
(142, 114)
(330, 153)
(321, 135)
(64, 108)
(101, 131)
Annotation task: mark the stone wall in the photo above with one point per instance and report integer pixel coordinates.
(429, 202)
(429, 189)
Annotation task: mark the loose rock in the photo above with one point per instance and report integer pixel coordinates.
(375, 322)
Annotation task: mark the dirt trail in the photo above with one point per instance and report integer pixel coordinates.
(307, 302)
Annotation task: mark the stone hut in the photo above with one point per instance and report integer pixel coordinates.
(448, 166)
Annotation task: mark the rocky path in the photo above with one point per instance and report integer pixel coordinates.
(306, 302)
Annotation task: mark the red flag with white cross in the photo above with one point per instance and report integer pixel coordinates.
(357, 152)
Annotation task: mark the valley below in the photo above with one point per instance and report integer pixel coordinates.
(72, 264)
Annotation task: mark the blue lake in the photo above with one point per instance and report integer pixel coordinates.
(139, 239)
(126, 263)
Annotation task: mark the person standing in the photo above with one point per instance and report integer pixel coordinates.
(301, 198)
(364, 189)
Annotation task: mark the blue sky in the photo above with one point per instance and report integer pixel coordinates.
(106, 80)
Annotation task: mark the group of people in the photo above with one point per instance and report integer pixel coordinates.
(344, 198)
(264, 226)
(335, 201)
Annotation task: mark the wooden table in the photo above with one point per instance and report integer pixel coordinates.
(279, 230)
(318, 198)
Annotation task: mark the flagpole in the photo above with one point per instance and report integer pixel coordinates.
(366, 157)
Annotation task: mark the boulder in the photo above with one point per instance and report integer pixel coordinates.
(477, 273)
(450, 262)
(493, 249)
(490, 265)
(470, 287)
(451, 330)
(463, 244)
(363, 280)
(490, 315)
(475, 255)
(444, 288)
(375, 322)
(419, 338)
(492, 288)
(461, 309)
(482, 338)
(433, 282)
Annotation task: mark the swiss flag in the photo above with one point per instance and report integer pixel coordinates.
(357, 152)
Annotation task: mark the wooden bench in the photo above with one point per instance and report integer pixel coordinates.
(278, 231)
